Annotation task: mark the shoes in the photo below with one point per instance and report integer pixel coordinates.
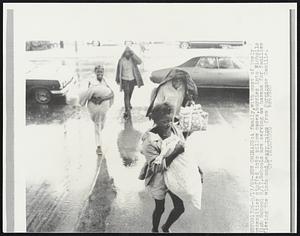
(125, 115)
(165, 230)
(99, 150)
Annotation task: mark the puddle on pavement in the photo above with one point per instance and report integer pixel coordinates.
(49, 114)
(61, 170)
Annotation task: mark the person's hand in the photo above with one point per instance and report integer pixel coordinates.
(158, 160)
(190, 100)
(179, 147)
(131, 52)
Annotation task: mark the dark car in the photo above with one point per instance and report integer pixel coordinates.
(211, 71)
(210, 44)
(45, 83)
(38, 45)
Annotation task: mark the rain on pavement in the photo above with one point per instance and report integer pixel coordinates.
(70, 189)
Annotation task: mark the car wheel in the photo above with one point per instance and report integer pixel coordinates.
(42, 96)
(185, 45)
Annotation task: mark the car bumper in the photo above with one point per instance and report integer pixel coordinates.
(63, 91)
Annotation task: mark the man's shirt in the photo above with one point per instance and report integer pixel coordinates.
(127, 69)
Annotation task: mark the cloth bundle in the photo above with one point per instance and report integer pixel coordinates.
(193, 118)
(182, 176)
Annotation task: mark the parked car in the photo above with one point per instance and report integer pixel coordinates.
(210, 44)
(94, 43)
(38, 45)
(211, 72)
(97, 43)
(45, 83)
(129, 43)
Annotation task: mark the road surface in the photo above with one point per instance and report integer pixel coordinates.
(70, 188)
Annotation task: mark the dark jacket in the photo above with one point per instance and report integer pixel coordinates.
(136, 72)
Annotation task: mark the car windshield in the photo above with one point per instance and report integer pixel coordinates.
(190, 63)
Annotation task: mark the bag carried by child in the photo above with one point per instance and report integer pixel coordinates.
(182, 176)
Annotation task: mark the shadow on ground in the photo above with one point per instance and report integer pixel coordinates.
(99, 203)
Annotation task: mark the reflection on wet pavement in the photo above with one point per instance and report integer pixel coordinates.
(59, 167)
(128, 140)
(56, 112)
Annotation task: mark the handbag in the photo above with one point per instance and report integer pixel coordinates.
(193, 118)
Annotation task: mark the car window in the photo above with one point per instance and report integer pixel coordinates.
(208, 63)
(190, 63)
(227, 63)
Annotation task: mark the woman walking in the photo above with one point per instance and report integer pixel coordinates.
(128, 76)
(160, 158)
(99, 98)
(177, 89)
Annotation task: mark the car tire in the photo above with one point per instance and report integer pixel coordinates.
(185, 45)
(42, 96)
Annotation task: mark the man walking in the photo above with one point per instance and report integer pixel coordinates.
(128, 76)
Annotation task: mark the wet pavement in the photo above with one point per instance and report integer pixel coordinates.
(71, 189)
(223, 155)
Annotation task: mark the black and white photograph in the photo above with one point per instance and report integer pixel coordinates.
(142, 118)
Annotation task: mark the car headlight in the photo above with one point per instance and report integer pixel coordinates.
(62, 84)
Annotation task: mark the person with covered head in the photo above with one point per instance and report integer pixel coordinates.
(167, 168)
(128, 76)
(177, 89)
(98, 98)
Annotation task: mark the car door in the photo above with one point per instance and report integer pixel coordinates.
(205, 73)
(231, 74)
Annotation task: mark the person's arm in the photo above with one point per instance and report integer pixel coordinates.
(119, 71)
(149, 149)
(86, 96)
(111, 95)
(136, 59)
(160, 97)
(189, 98)
(177, 151)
